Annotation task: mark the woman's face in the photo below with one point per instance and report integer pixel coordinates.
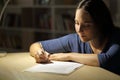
(84, 25)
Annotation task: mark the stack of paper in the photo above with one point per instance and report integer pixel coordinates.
(55, 67)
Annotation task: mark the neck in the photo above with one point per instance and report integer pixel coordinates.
(98, 43)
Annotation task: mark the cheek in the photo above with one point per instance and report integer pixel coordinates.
(76, 28)
(91, 33)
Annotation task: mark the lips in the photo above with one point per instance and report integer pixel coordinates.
(83, 36)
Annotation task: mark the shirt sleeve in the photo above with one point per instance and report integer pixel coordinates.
(62, 44)
(109, 59)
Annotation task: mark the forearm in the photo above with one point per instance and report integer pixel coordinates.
(34, 48)
(88, 59)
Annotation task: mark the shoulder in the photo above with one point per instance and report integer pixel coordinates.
(115, 37)
(71, 39)
(72, 36)
(116, 31)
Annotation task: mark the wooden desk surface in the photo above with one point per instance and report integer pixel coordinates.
(12, 66)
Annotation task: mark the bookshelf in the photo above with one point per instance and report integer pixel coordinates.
(28, 21)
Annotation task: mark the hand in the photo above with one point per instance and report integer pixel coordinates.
(42, 57)
(60, 57)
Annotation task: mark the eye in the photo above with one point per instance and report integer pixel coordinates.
(88, 24)
(77, 23)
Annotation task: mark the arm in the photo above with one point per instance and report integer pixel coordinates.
(49, 46)
(64, 44)
(88, 59)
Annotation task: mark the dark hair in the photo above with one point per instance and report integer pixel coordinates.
(100, 15)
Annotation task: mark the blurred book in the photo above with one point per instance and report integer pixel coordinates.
(42, 2)
(68, 21)
(12, 20)
(23, 2)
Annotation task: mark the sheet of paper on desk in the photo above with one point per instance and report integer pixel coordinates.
(55, 67)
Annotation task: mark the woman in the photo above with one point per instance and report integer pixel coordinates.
(95, 42)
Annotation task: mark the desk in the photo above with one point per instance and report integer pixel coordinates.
(12, 66)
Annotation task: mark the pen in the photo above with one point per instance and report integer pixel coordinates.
(41, 51)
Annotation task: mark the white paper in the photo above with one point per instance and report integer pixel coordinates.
(55, 67)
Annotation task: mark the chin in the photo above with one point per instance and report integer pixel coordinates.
(84, 39)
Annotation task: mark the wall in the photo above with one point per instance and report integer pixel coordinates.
(115, 11)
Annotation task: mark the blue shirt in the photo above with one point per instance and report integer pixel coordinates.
(109, 58)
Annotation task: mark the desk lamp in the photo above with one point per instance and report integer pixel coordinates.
(3, 53)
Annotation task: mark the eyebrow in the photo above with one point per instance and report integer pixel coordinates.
(84, 21)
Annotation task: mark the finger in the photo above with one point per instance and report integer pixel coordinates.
(40, 58)
(36, 56)
(37, 59)
(43, 52)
